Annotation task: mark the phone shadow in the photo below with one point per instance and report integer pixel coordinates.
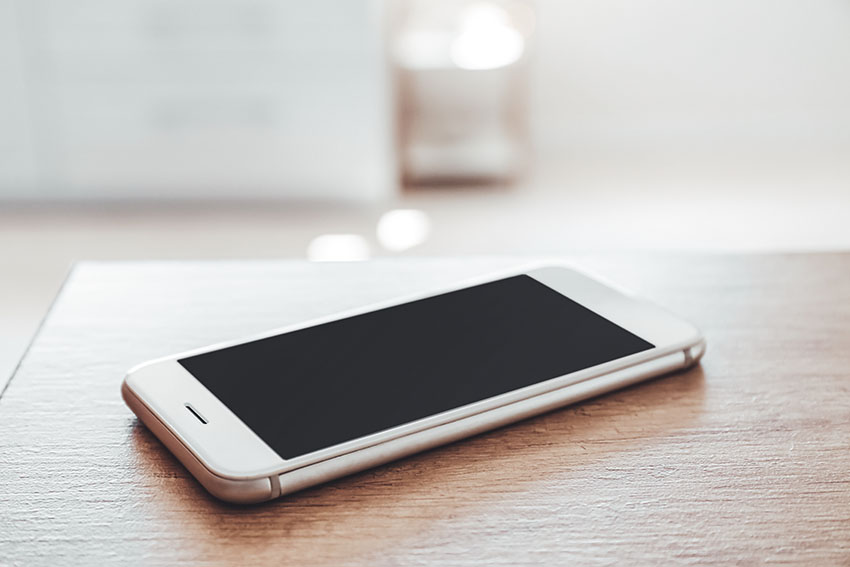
(382, 510)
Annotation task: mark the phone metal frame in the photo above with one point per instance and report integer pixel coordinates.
(234, 464)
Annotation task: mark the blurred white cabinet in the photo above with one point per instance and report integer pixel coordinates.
(215, 98)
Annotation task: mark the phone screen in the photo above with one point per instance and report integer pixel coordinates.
(309, 389)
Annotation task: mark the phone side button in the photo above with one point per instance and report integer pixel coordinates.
(275, 481)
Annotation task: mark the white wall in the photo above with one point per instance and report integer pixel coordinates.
(213, 98)
(718, 75)
(17, 151)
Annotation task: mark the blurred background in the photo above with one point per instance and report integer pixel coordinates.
(353, 129)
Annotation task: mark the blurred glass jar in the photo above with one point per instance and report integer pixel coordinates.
(462, 71)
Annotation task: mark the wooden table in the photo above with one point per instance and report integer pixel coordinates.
(744, 460)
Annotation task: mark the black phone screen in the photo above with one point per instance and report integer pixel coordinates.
(320, 386)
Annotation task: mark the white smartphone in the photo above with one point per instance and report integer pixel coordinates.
(272, 414)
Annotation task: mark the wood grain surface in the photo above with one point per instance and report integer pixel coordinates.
(744, 460)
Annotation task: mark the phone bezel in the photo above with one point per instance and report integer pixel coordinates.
(228, 448)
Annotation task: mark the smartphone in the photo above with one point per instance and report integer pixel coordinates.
(272, 414)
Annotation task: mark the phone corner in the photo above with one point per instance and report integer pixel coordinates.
(695, 353)
(129, 393)
(241, 492)
(133, 383)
